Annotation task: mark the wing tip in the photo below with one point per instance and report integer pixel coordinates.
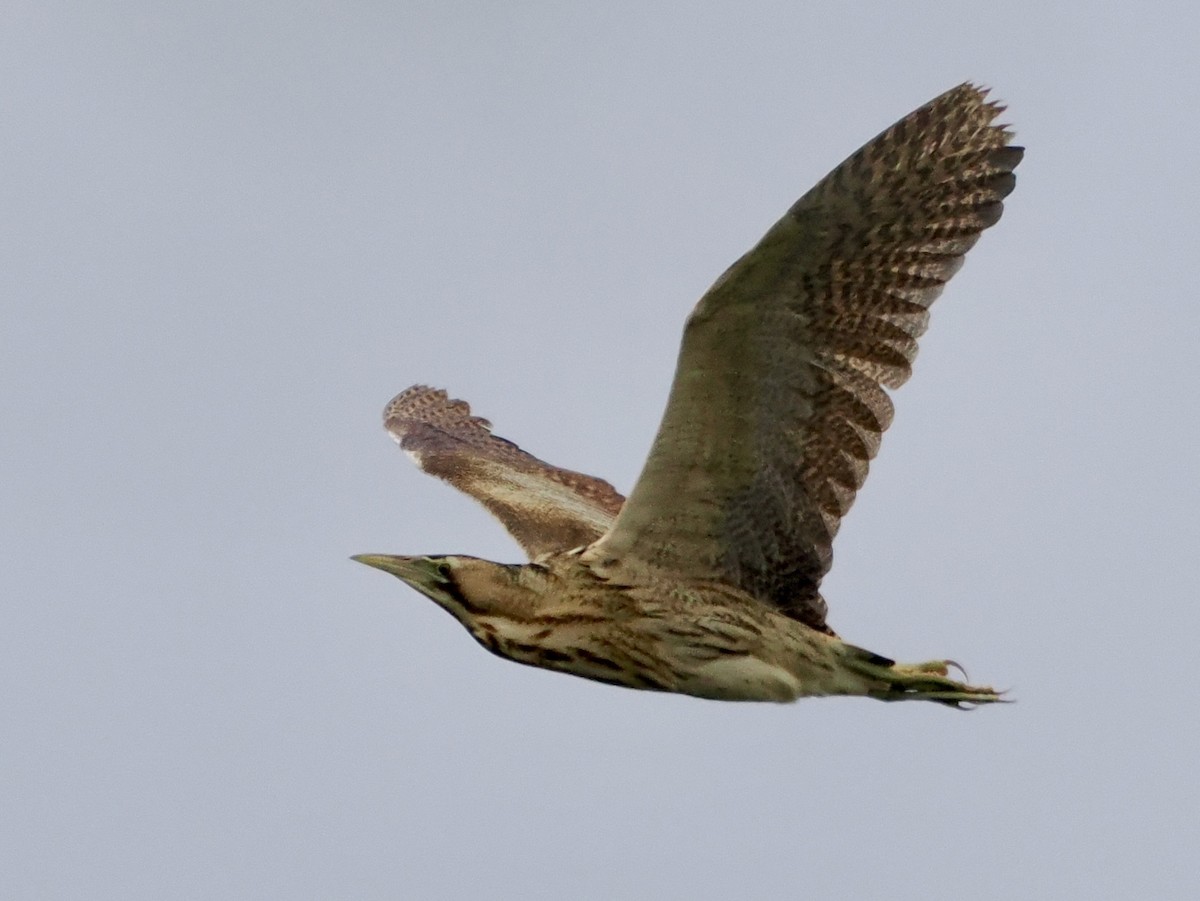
(971, 98)
(425, 405)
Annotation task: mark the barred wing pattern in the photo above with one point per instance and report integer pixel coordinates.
(543, 507)
(778, 403)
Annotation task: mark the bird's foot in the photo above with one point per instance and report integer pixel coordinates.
(930, 681)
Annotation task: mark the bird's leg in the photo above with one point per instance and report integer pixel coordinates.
(930, 681)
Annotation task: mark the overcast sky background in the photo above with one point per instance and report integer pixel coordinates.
(230, 232)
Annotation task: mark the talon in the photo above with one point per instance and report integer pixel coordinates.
(958, 666)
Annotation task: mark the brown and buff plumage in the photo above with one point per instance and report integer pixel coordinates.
(706, 580)
(544, 508)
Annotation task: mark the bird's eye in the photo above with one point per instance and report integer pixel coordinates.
(443, 569)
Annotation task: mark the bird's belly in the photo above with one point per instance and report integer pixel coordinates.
(738, 677)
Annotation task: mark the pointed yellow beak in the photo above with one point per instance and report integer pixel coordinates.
(413, 570)
(397, 566)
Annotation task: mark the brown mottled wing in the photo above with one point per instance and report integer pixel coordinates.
(543, 507)
(778, 402)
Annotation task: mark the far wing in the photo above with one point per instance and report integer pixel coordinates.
(778, 403)
(543, 507)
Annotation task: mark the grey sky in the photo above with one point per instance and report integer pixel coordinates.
(230, 232)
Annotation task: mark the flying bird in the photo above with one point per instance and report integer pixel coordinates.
(706, 580)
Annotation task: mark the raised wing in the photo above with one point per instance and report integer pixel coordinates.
(778, 402)
(543, 507)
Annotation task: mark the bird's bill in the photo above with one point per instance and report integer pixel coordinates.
(413, 570)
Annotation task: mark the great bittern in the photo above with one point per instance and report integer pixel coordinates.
(706, 581)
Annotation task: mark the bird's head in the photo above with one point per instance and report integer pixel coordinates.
(467, 587)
